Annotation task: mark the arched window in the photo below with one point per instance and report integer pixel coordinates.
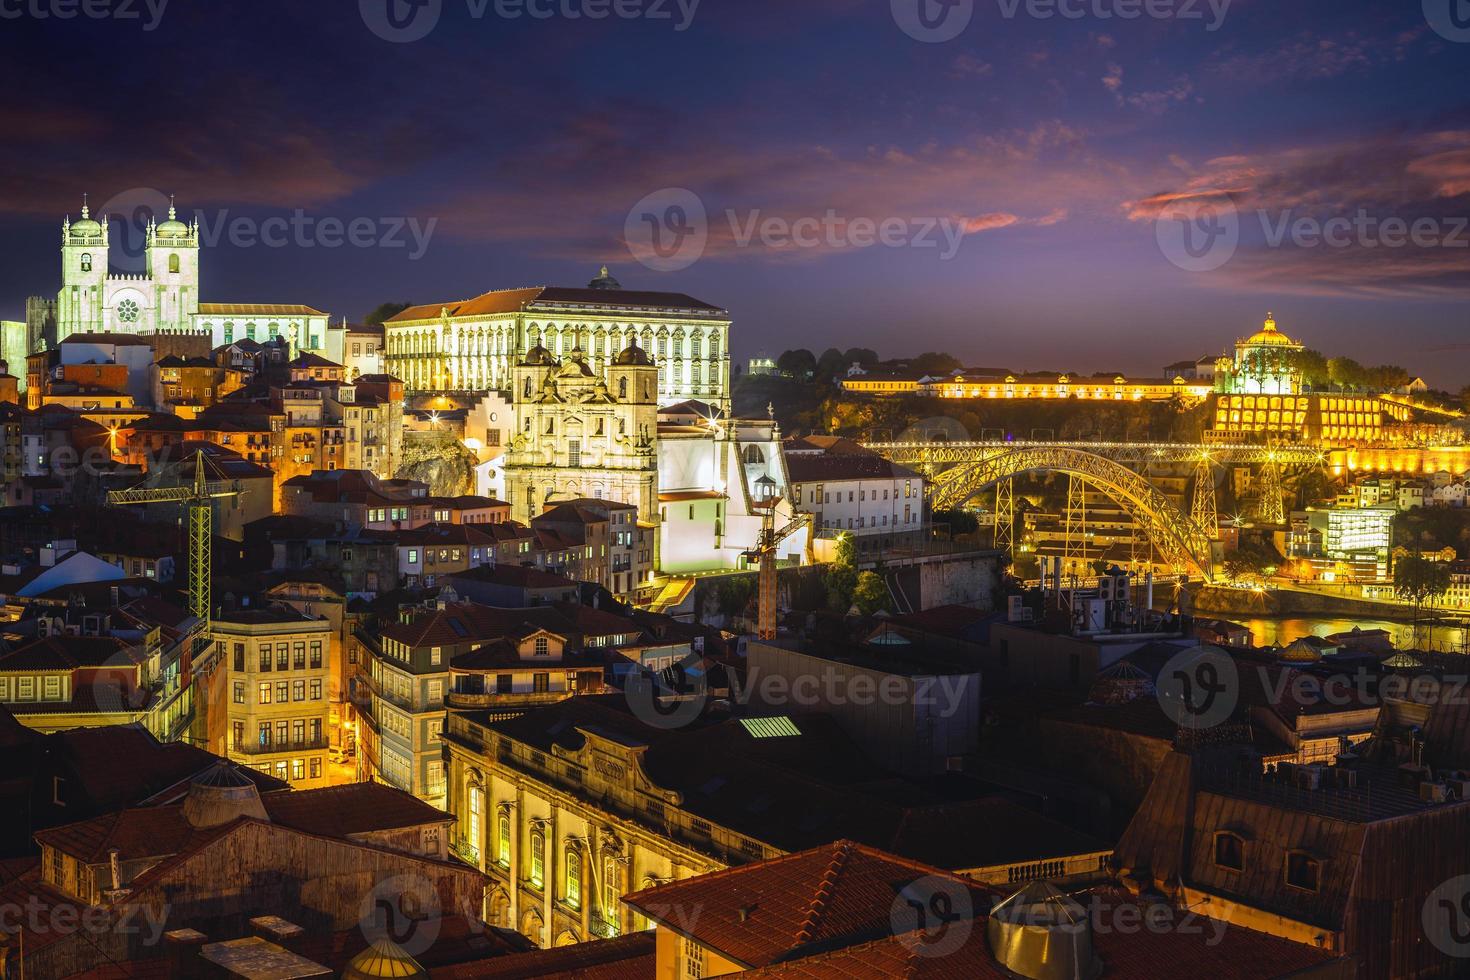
(573, 879)
(753, 454)
(503, 841)
(1229, 851)
(538, 858)
(528, 387)
(173, 262)
(622, 388)
(86, 261)
(229, 331)
(249, 331)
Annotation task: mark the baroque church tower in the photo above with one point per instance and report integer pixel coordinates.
(162, 298)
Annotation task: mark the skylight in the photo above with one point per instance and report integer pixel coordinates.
(777, 727)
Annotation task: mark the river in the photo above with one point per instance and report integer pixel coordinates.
(1280, 632)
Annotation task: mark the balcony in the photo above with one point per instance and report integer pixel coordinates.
(276, 748)
(510, 702)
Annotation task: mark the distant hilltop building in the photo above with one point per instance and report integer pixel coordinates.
(1266, 363)
(165, 297)
(475, 344)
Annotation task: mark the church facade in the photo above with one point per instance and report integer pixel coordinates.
(476, 344)
(165, 297)
(583, 432)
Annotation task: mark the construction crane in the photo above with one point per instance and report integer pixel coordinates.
(198, 499)
(765, 555)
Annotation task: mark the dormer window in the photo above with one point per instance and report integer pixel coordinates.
(1303, 871)
(1229, 851)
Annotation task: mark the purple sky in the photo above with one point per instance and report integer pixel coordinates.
(1030, 173)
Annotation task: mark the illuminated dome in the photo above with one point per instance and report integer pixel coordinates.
(574, 366)
(539, 356)
(383, 958)
(633, 355)
(85, 225)
(1269, 336)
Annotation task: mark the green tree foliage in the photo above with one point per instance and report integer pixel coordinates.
(959, 521)
(870, 594)
(860, 355)
(935, 362)
(384, 311)
(831, 364)
(800, 364)
(1419, 581)
(841, 583)
(1313, 366)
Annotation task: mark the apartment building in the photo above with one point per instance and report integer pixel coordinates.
(279, 681)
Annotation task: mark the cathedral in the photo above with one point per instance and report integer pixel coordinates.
(164, 297)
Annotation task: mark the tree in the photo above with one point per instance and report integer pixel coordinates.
(935, 362)
(870, 594)
(959, 521)
(1420, 581)
(384, 311)
(800, 364)
(1313, 366)
(830, 364)
(1346, 372)
(860, 355)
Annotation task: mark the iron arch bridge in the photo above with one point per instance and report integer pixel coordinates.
(957, 471)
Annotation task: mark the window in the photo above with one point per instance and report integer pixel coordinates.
(265, 734)
(283, 656)
(502, 832)
(316, 690)
(239, 658)
(298, 658)
(239, 692)
(540, 683)
(538, 858)
(298, 690)
(316, 767)
(265, 692)
(86, 262)
(543, 647)
(693, 959)
(298, 769)
(316, 654)
(504, 683)
(611, 891)
(283, 692)
(237, 735)
(1229, 851)
(1303, 871)
(173, 262)
(265, 658)
(574, 879)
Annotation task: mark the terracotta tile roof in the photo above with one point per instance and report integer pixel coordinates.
(336, 812)
(116, 339)
(467, 622)
(762, 913)
(506, 301)
(258, 309)
(518, 576)
(826, 467)
(71, 652)
(680, 496)
(351, 809)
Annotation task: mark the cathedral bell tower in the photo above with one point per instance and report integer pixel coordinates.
(172, 257)
(83, 274)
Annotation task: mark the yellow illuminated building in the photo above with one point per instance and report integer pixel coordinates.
(1099, 388)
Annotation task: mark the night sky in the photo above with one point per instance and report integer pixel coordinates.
(1058, 152)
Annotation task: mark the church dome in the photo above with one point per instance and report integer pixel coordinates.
(633, 355)
(173, 227)
(1269, 336)
(539, 356)
(220, 795)
(604, 280)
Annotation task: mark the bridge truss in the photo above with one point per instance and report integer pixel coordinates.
(957, 471)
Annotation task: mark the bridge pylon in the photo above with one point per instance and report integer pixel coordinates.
(1203, 512)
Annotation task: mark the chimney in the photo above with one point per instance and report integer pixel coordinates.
(182, 952)
(115, 595)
